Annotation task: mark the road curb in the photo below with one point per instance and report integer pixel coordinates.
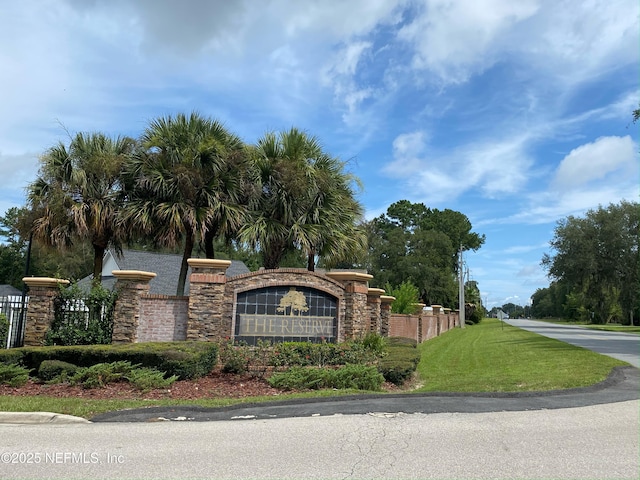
(39, 418)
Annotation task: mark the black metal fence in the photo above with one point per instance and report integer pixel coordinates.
(15, 311)
(82, 318)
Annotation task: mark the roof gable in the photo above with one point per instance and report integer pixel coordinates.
(166, 266)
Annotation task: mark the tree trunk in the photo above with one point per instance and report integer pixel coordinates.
(98, 258)
(311, 260)
(209, 250)
(188, 250)
(272, 256)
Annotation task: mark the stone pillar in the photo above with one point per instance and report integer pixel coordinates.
(42, 292)
(356, 315)
(374, 303)
(436, 313)
(447, 313)
(420, 313)
(131, 285)
(385, 313)
(206, 300)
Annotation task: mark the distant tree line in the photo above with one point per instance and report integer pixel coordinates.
(594, 268)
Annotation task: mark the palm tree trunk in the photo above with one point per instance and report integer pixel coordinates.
(98, 257)
(188, 250)
(209, 250)
(311, 260)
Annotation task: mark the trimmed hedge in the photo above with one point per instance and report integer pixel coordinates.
(401, 360)
(183, 359)
(56, 369)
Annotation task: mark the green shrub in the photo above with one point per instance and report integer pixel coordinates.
(184, 359)
(406, 296)
(147, 379)
(56, 371)
(401, 361)
(13, 375)
(4, 330)
(74, 326)
(374, 343)
(234, 358)
(304, 354)
(359, 377)
(475, 317)
(396, 371)
(101, 374)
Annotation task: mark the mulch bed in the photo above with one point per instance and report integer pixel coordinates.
(215, 385)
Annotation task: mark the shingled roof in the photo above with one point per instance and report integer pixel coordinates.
(9, 290)
(166, 266)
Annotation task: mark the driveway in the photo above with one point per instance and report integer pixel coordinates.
(623, 346)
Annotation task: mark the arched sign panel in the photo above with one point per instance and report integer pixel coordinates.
(286, 314)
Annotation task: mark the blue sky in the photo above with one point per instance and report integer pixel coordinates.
(516, 114)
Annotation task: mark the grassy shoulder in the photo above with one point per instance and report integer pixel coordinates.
(635, 329)
(82, 407)
(490, 357)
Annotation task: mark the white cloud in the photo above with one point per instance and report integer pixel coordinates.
(523, 249)
(595, 161)
(494, 167)
(455, 39)
(572, 41)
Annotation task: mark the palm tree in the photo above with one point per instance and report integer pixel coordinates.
(186, 184)
(335, 210)
(304, 201)
(78, 194)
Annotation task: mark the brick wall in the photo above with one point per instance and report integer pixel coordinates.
(401, 325)
(429, 327)
(209, 314)
(423, 327)
(163, 318)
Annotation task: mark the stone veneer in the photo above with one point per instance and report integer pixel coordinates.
(356, 319)
(40, 312)
(385, 313)
(207, 300)
(375, 308)
(131, 286)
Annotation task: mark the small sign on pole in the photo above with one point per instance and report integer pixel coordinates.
(501, 316)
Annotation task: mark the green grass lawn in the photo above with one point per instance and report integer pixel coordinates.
(491, 357)
(81, 407)
(607, 328)
(488, 357)
(615, 328)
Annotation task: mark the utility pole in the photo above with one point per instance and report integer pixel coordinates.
(461, 318)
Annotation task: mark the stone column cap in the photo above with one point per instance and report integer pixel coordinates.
(208, 263)
(133, 275)
(44, 281)
(349, 276)
(375, 292)
(387, 298)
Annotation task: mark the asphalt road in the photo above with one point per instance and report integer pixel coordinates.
(593, 442)
(623, 346)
